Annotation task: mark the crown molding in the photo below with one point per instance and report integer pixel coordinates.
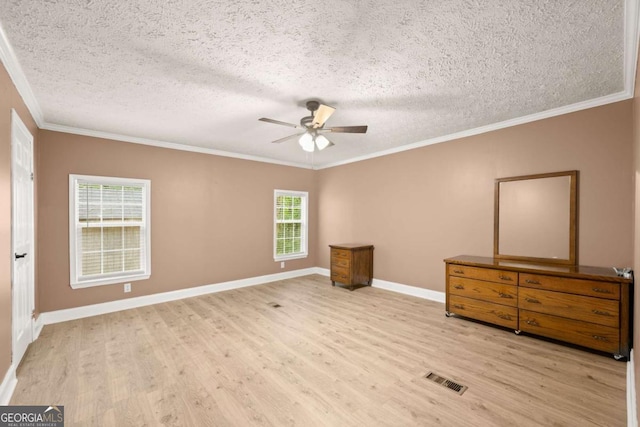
(166, 144)
(631, 18)
(11, 63)
(631, 41)
(609, 99)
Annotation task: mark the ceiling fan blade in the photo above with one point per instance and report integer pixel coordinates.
(322, 114)
(348, 129)
(286, 138)
(278, 122)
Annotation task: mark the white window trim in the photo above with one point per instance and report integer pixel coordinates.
(115, 278)
(305, 226)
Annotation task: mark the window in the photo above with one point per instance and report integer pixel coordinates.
(290, 236)
(109, 230)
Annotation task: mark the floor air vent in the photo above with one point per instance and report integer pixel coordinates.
(274, 304)
(451, 385)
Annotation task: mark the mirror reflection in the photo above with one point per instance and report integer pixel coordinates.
(535, 217)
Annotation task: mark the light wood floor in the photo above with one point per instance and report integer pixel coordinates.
(327, 357)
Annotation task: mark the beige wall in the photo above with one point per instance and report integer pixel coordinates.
(211, 217)
(9, 98)
(421, 206)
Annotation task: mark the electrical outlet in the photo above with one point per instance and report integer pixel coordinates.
(127, 287)
(282, 264)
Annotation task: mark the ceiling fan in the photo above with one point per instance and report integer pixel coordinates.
(313, 128)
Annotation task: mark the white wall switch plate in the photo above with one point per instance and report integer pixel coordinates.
(127, 287)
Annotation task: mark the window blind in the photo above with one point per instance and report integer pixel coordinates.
(110, 230)
(290, 224)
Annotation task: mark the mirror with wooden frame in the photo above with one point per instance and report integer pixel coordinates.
(536, 218)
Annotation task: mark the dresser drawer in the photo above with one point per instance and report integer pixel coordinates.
(487, 291)
(489, 274)
(340, 253)
(586, 334)
(572, 286)
(485, 311)
(596, 310)
(340, 262)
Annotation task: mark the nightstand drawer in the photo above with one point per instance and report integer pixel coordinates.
(340, 277)
(340, 262)
(340, 253)
(339, 270)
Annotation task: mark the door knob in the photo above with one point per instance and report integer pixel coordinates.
(18, 256)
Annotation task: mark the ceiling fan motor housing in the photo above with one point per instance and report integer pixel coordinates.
(313, 105)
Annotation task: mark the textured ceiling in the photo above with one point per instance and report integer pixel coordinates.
(201, 73)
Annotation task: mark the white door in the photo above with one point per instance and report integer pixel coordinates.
(22, 283)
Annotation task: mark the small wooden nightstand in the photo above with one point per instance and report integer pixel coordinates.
(351, 264)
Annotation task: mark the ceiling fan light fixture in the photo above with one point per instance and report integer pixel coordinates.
(311, 127)
(322, 142)
(306, 142)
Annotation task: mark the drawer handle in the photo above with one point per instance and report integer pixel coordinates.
(602, 313)
(532, 300)
(460, 306)
(602, 291)
(532, 322)
(600, 338)
(532, 282)
(504, 316)
(507, 278)
(458, 271)
(503, 295)
(458, 287)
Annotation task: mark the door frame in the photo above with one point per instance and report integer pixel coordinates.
(17, 125)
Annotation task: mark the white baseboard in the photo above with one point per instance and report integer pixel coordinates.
(37, 327)
(8, 385)
(632, 408)
(399, 288)
(323, 271)
(410, 290)
(58, 316)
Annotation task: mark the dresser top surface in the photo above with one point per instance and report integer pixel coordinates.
(577, 271)
(351, 246)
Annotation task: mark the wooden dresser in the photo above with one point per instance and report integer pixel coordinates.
(586, 306)
(351, 264)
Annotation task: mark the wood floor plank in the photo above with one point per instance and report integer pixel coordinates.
(326, 356)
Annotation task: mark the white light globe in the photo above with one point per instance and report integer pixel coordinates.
(322, 142)
(306, 142)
